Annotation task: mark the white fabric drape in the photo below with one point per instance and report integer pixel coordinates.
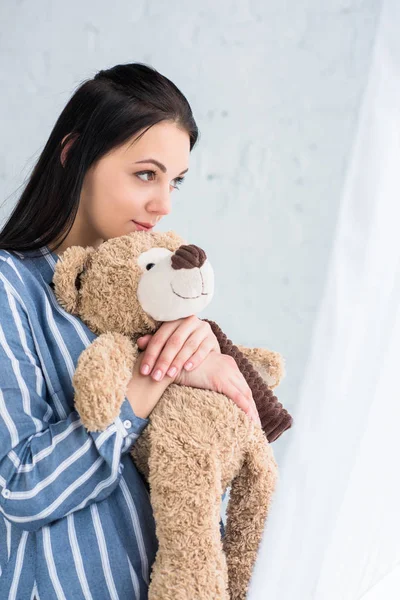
(334, 528)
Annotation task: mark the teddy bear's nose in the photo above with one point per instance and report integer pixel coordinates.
(188, 257)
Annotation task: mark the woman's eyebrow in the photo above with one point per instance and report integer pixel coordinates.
(158, 164)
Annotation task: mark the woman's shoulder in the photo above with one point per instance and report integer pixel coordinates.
(11, 261)
(27, 276)
(13, 273)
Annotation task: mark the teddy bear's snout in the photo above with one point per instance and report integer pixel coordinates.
(188, 257)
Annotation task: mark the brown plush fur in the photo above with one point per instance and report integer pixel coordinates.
(269, 364)
(197, 443)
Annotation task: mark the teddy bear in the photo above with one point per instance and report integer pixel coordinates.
(197, 442)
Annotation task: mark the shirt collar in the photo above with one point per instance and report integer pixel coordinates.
(44, 260)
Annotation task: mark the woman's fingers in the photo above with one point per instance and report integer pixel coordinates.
(156, 344)
(230, 389)
(143, 341)
(242, 384)
(165, 345)
(204, 347)
(168, 362)
(182, 343)
(242, 396)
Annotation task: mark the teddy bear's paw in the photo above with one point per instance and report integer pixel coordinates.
(100, 381)
(269, 364)
(98, 409)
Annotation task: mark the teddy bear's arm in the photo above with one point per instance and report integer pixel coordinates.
(270, 365)
(274, 418)
(100, 381)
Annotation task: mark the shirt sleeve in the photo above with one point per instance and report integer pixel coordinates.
(48, 468)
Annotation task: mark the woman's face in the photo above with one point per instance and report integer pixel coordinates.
(125, 186)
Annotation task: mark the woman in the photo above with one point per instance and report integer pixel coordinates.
(76, 521)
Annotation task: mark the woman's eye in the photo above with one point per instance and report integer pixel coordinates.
(178, 180)
(145, 173)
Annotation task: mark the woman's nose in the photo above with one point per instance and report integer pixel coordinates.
(161, 204)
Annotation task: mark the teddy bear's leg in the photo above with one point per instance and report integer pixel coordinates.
(185, 491)
(249, 501)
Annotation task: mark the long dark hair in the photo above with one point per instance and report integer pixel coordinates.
(102, 114)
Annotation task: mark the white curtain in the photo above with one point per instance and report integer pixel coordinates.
(334, 528)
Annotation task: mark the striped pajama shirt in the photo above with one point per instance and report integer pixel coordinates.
(75, 514)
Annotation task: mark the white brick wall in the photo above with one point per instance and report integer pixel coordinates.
(275, 88)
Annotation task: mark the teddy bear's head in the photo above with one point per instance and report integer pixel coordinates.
(132, 283)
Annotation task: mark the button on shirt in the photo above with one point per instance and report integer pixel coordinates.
(75, 515)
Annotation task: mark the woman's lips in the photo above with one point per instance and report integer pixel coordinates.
(142, 227)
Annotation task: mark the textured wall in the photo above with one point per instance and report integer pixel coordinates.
(275, 88)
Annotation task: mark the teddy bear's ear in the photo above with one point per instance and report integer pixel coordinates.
(67, 273)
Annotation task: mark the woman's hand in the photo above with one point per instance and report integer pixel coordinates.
(174, 343)
(220, 373)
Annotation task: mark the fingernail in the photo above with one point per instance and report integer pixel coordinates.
(157, 375)
(145, 369)
(172, 371)
(188, 366)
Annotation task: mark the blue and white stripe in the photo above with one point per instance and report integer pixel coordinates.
(75, 514)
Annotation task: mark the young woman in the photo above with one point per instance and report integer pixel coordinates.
(75, 516)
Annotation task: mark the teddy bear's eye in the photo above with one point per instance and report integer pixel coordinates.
(150, 258)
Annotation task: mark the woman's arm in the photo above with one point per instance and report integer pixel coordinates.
(49, 467)
(144, 392)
